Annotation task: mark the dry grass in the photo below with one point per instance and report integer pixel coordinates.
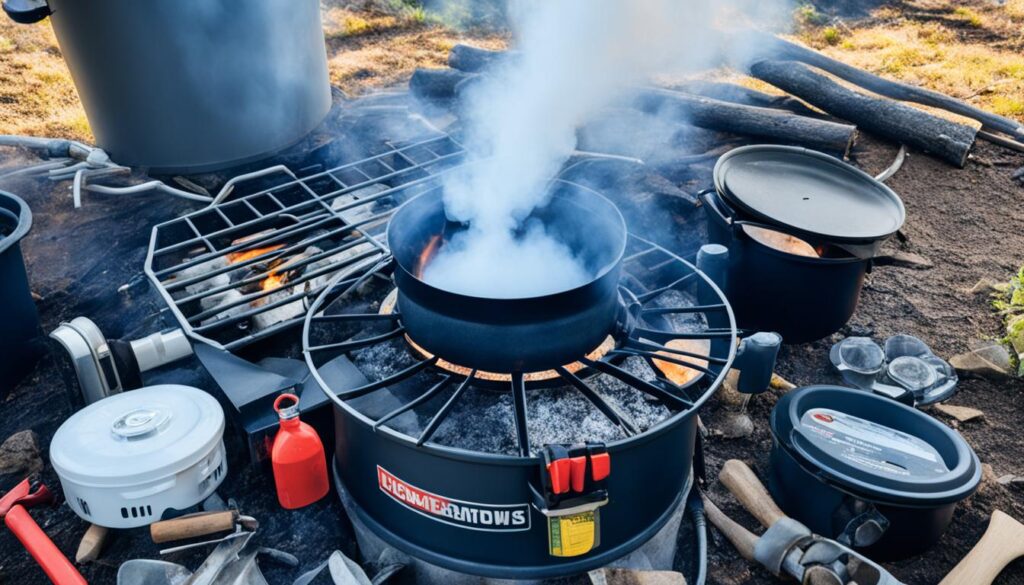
(368, 49)
(971, 52)
(37, 96)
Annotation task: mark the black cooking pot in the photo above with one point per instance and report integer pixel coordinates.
(800, 297)
(842, 214)
(20, 344)
(513, 334)
(866, 470)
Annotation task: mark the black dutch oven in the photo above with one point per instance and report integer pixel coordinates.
(512, 334)
(868, 471)
(837, 212)
(20, 344)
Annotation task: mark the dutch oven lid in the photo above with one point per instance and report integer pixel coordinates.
(137, 436)
(874, 447)
(806, 192)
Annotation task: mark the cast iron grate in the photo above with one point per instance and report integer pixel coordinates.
(354, 315)
(246, 268)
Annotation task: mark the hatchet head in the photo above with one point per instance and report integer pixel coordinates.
(28, 493)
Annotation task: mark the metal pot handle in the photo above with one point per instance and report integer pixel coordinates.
(27, 11)
(735, 224)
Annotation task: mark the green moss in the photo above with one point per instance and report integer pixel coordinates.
(831, 35)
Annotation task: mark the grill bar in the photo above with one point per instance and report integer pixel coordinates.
(335, 212)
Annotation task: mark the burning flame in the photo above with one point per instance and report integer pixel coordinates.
(273, 282)
(427, 253)
(236, 257)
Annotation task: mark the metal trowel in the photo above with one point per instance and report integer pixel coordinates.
(233, 562)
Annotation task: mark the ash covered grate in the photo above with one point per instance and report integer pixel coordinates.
(664, 360)
(247, 267)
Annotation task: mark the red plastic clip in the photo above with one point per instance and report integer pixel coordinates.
(579, 473)
(560, 471)
(600, 466)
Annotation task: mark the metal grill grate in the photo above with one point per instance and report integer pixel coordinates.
(347, 319)
(246, 268)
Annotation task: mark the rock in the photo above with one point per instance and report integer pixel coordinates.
(911, 260)
(19, 455)
(630, 577)
(736, 425)
(1008, 479)
(988, 478)
(990, 360)
(729, 394)
(985, 285)
(960, 413)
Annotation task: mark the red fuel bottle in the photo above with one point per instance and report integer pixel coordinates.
(300, 466)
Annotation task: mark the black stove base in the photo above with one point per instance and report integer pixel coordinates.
(654, 549)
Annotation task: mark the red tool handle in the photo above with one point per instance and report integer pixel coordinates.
(56, 566)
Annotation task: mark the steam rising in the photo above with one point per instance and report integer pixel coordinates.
(575, 57)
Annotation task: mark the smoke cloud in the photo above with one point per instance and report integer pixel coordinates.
(575, 58)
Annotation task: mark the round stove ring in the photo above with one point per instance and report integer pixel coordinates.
(688, 365)
(413, 439)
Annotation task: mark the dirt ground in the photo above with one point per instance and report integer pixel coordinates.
(968, 222)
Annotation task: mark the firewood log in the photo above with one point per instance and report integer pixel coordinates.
(768, 46)
(473, 59)
(884, 117)
(757, 122)
(764, 123)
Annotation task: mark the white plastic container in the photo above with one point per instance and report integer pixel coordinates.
(125, 460)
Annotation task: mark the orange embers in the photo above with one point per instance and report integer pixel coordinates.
(388, 306)
(680, 374)
(244, 255)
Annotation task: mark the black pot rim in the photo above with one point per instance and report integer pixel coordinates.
(712, 200)
(726, 194)
(966, 473)
(20, 208)
(438, 193)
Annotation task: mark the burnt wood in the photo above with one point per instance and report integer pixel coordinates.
(712, 114)
(758, 122)
(887, 118)
(474, 59)
(438, 84)
(772, 47)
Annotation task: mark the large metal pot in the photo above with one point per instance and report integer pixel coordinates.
(190, 85)
(514, 334)
(20, 343)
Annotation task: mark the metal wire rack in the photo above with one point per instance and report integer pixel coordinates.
(246, 268)
(348, 318)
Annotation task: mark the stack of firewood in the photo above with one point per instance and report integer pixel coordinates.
(831, 101)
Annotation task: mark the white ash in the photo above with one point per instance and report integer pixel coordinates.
(285, 312)
(359, 212)
(682, 322)
(339, 260)
(223, 300)
(382, 360)
(202, 269)
(643, 410)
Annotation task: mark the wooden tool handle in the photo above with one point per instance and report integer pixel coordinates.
(91, 545)
(749, 490)
(1002, 542)
(743, 539)
(193, 526)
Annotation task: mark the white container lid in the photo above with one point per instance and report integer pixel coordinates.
(137, 436)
